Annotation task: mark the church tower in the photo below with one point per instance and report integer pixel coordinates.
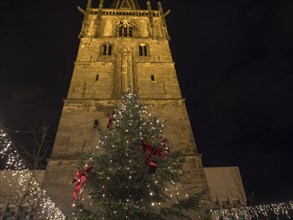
(119, 47)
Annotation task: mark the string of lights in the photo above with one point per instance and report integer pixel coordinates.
(277, 209)
(28, 192)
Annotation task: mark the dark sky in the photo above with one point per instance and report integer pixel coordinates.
(234, 61)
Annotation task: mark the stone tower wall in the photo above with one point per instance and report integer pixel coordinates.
(98, 82)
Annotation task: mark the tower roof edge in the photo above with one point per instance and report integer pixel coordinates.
(125, 4)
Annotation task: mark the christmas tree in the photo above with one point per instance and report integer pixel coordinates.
(134, 173)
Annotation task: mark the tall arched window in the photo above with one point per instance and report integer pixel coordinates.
(106, 49)
(125, 29)
(143, 50)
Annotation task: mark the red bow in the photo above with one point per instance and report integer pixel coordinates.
(80, 179)
(151, 152)
(111, 120)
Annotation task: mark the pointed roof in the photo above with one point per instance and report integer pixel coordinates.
(125, 4)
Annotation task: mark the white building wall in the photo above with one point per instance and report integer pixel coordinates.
(226, 187)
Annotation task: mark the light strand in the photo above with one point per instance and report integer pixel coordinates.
(24, 182)
(276, 209)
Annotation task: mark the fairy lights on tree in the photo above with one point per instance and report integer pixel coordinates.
(269, 211)
(134, 174)
(23, 188)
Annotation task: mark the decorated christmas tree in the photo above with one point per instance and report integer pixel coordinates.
(134, 173)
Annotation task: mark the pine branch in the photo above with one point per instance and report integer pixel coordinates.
(180, 209)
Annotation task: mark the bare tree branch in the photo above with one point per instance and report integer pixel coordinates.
(23, 190)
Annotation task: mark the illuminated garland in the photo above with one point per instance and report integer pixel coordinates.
(28, 190)
(255, 211)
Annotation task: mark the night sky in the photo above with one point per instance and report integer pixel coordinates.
(234, 60)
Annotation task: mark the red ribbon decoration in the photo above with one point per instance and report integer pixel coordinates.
(80, 179)
(110, 120)
(150, 152)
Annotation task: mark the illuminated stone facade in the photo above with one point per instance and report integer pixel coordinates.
(120, 47)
